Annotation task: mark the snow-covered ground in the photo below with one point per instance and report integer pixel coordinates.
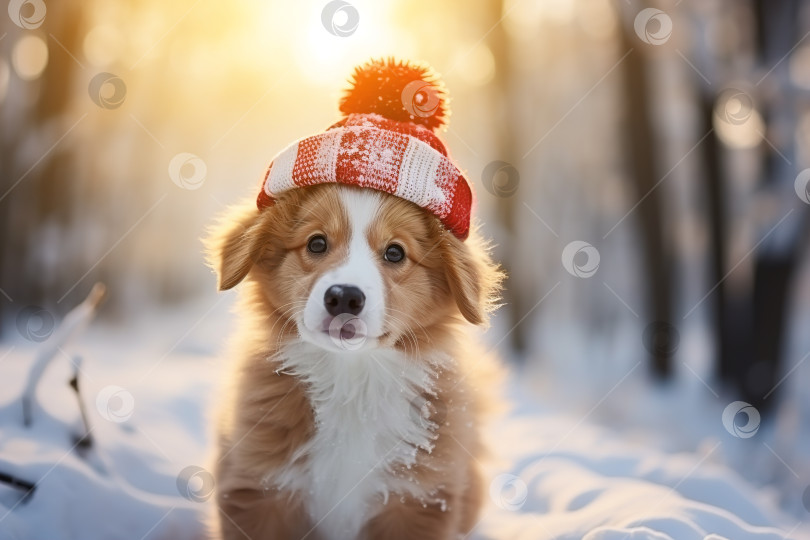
(557, 475)
(564, 478)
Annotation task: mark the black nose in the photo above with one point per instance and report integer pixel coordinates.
(344, 299)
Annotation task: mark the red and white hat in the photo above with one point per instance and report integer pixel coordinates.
(385, 141)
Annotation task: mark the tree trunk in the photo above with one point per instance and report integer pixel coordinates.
(641, 165)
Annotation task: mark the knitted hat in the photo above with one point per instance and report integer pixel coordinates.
(385, 142)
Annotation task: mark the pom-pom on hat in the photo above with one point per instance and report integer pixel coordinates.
(385, 141)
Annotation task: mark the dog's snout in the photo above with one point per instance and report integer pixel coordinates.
(341, 299)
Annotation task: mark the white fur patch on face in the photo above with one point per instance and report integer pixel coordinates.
(347, 332)
(367, 423)
(367, 400)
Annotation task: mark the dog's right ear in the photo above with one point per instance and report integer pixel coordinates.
(234, 244)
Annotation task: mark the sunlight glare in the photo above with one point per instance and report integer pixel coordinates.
(30, 57)
(746, 134)
(477, 65)
(326, 58)
(102, 45)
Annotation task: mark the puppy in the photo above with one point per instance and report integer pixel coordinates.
(355, 393)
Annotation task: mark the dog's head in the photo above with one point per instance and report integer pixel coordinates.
(353, 268)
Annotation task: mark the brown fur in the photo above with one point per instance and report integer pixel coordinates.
(267, 416)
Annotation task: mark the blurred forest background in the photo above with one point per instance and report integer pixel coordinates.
(643, 167)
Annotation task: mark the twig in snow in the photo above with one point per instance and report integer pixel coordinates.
(18, 483)
(85, 440)
(75, 321)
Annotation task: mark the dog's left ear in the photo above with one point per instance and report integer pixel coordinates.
(234, 245)
(472, 277)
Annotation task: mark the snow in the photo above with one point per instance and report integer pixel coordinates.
(148, 386)
(580, 481)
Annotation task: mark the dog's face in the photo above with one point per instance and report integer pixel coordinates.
(353, 268)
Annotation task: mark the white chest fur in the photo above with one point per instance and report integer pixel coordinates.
(367, 418)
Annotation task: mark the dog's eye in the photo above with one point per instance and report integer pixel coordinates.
(394, 253)
(317, 244)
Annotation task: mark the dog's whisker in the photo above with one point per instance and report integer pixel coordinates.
(295, 305)
(408, 328)
(409, 334)
(290, 320)
(410, 317)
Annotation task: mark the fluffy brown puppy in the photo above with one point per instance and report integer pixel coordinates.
(363, 424)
